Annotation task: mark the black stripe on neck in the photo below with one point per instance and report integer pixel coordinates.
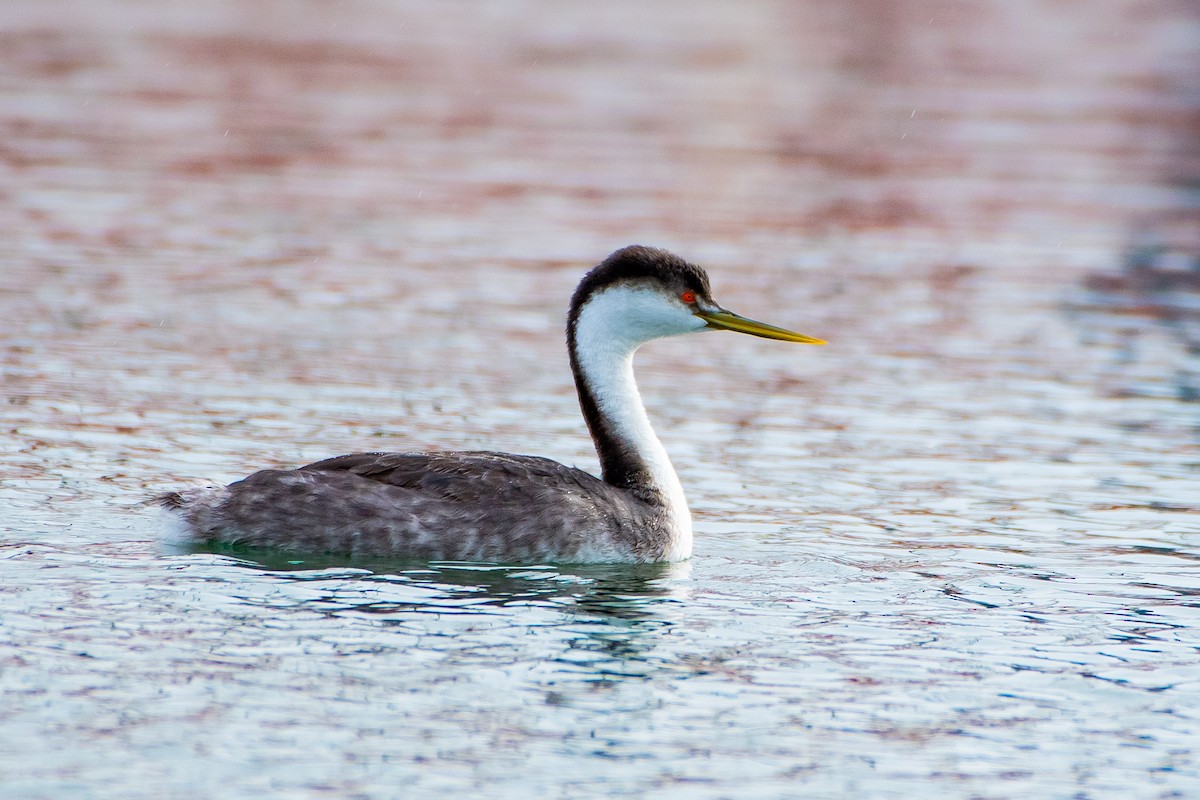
(620, 464)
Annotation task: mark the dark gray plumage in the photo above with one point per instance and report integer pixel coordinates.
(455, 506)
(484, 506)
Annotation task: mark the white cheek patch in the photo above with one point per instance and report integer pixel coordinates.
(633, 315)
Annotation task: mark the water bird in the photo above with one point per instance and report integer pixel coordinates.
(500, 507)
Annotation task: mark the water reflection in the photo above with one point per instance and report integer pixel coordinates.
(616, 590)
(602, 618)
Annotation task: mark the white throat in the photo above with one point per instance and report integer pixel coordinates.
(610, 328)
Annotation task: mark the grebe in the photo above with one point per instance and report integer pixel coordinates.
(498, 507)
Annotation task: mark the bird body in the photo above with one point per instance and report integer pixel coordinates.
(446, 506)
(486, 506)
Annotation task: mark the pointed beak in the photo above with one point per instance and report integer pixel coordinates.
(728, 321)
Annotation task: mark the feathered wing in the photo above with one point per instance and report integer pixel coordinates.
(468, 476)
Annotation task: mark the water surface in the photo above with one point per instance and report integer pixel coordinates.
(953, 553)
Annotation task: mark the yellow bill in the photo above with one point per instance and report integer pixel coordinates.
(728, 321)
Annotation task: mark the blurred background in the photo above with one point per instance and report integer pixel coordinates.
(249, 153)
(1030, 133)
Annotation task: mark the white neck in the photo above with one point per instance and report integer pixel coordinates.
(610, 328)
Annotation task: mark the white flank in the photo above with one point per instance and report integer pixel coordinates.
(175, 532)
(178, 531)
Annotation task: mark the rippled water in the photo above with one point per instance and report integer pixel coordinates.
(951, 554)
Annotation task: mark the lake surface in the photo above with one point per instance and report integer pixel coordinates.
(954, 553)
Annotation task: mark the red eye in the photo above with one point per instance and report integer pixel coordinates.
(688, 297)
